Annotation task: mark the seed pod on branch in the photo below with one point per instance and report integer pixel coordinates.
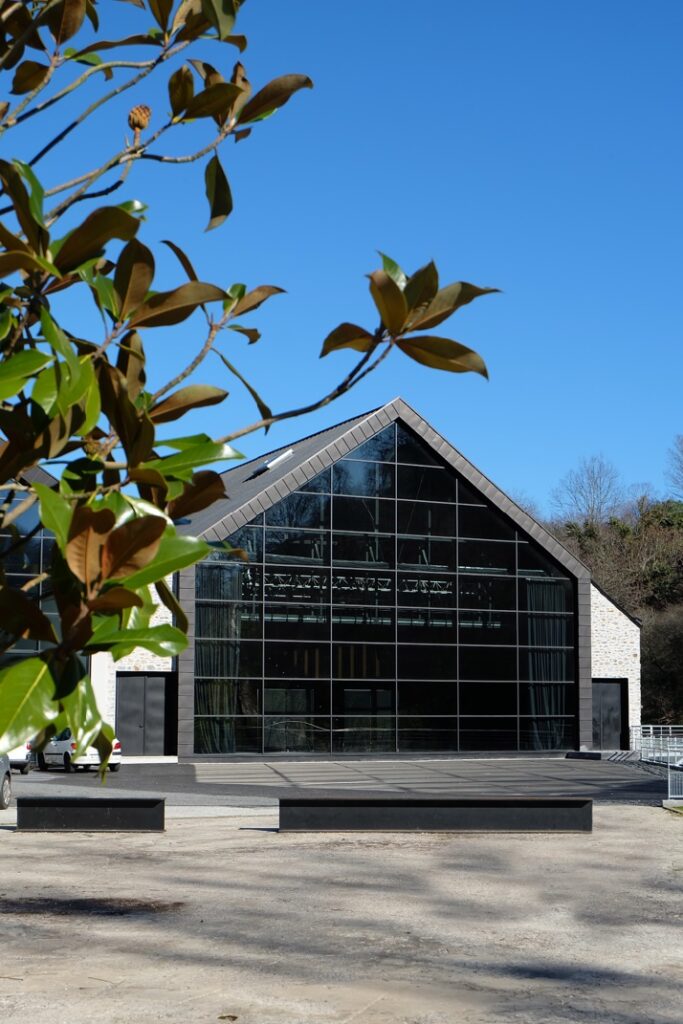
(138, 120)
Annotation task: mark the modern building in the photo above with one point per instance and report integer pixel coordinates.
(389, 599)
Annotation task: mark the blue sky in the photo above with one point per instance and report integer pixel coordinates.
(528, 145)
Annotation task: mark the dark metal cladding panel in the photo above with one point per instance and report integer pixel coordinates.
(83, 814)
(505, 814)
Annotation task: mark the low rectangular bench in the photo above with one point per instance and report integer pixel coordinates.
(436, 814)
(91, 814)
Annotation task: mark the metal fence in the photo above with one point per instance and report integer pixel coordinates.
(662, 745)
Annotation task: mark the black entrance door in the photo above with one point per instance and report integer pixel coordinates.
(146, 712)
(610, 714)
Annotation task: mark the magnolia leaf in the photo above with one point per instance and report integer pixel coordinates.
(239, 41)
(111, 44)
(79, 708)
(131, 362)
(390, 301)
(180, 89)
(27, 687)
(446, 301)
(202, 490)
(37, 194)
(20, 260)
(87, 536)
(16, 371)
(252, 300)
(36, 235)
(194, 396)
(443, 354)
(273, 96)
(21, 617)
(55, 513)
(168, 598)
(422, 286)
(182, 258)
(249, 332)
(348, 336)
(221, 14)
(217, 192)
(174, 553)
(89, 238)
(266, 412)
(215, 99)
(161, 10)
(395, 272)
(65, 19)
(115, 600)
(28, 76)
(167, 308)
(132, 546)
(183, 464)
(133, 276)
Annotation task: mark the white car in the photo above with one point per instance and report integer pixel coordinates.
(5, 782)
(20, 757)
(60, 750)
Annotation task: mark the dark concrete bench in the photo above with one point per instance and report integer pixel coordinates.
(436, 814)
(90, 814)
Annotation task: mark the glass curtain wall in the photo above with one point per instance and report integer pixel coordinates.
(385, 606)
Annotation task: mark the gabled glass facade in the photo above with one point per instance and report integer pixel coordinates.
(385, 607)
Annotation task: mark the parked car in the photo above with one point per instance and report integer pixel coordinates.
(20, 757)
(5, 782)
(60, 751)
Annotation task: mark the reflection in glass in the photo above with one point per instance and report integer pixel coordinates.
(483, 522)
(363, 624)
(422, 697)
(228, 621)
(426, 626)
(300, 511)
(297, 622)
(319, 483)
(410, 449)
(358, 587)
(545, 699)
(488, 698)
(487, 627)
(427, 733)
(419, 518)
(546, 630)
(297, 547)
(227, 697)
(428, 590)
(534, 562)
(227, 659)
(363, 734)
(363, 661)
(488, 733)
(371, 478)
(362, 549)
(297, 697)
(363, 515)
(546, 665)
(487, 592)
(297, 735)
(486, 556)
(297, 660)
(297, 585)
(425, 553)
(427, 662)
(547, 734)
(546, 595)
(227, 581)
(425, 483)
(249, 539)
(227, 735)
(379, 448)
(363, 698)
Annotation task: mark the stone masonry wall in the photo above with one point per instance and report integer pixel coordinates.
(615, 648)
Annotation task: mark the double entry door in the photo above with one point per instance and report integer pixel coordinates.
(146, 713)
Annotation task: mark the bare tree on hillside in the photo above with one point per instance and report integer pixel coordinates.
(592, 493)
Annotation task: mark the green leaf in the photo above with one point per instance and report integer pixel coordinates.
(422, 286)
(28, 76)
(15, 371)
(273, 96)
(217, 192)
(194, 396)
(20, 260)
(164, 641)
(445, 303)
(89, 238)
(37, 194)
(392, 268)
(253, 299)
(216, 99)
(26, 700)
(443, 354)
(81, 712)
(180, 89)
(221, 14)
(55, 513)
(133, 276)
(36, 235)
(167, 308)
(185, 462)
(348, 336)
(390, 301)
(175, 553)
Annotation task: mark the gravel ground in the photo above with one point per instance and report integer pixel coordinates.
(225, 919)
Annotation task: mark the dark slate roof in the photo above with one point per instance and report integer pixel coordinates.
(249, 495)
